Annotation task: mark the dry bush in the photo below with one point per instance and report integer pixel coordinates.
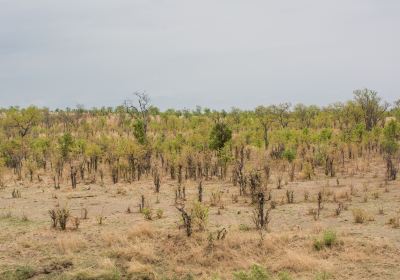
(297, 262)
(142, 231)
(76, 222)
(62, 217)
(70, 244)
(138, 270)
(114, 239)
(84, 213)
(394, 222)
(215, 199)
(360, 216)
(16, 193)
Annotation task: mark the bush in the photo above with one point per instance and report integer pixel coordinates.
(20, 273)
(220, 134)
(200, 215)
(283, 275)
(323, 276)
(360, 216)
(148, 213)
(244, 227)
(160, 213)
(256, 272)
(329, 238)
(318, 245)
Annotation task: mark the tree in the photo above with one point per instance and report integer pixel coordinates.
(22, 120)
(141, 112)
(66, 143)
(305, 114)
(281, 113)
(390, 146)
(264, 115)
(371, 106)
(220, 134)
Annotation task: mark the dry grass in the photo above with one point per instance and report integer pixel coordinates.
(126, 245)
(69, 243)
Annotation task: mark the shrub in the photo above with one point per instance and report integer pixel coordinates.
(284, 275)
(244, 227)
(323, 276)
(360, 216)
(160, 213)
(62, 217)
(200, 215)
(53, 217)
(329, 238)
(148, 213)
(256, 272)
(20, 273)
(394, 222)
(220, 134)
(318, 245)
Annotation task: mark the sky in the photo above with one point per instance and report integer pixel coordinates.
(216, 54)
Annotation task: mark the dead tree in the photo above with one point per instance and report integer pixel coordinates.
(290, 196)
(187, 220)
(391, 170)
(74, 172)
(141, 204)
(255, 185)
(261, 217)
(319, 204)
(200, 187)
(157, 181)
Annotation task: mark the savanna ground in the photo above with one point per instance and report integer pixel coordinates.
(135, 193)
(127, 246)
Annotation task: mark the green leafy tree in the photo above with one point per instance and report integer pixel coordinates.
(220, 134)
(23, 120)
(372, 108)
(66, 144)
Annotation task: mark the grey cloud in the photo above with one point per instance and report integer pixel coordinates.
(184, 53)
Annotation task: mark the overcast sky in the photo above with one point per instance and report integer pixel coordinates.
(215, 54)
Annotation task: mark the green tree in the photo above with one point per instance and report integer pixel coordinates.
(372, 107)
(220, 134)
(22, 120)
(66, 144)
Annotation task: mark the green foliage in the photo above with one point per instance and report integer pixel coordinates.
(256, 272)
(284, 275)
(325, 135)
(139, 131)
(66, 143)
(159, 213)
(20, 273)
(318, 244)
(148, 213)
(323, 276)
(244, 227)
(392, 130)
(199, 215)
(390, 146)
(23, 120)
(220, 134)
(289, 155)
(329, 238)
